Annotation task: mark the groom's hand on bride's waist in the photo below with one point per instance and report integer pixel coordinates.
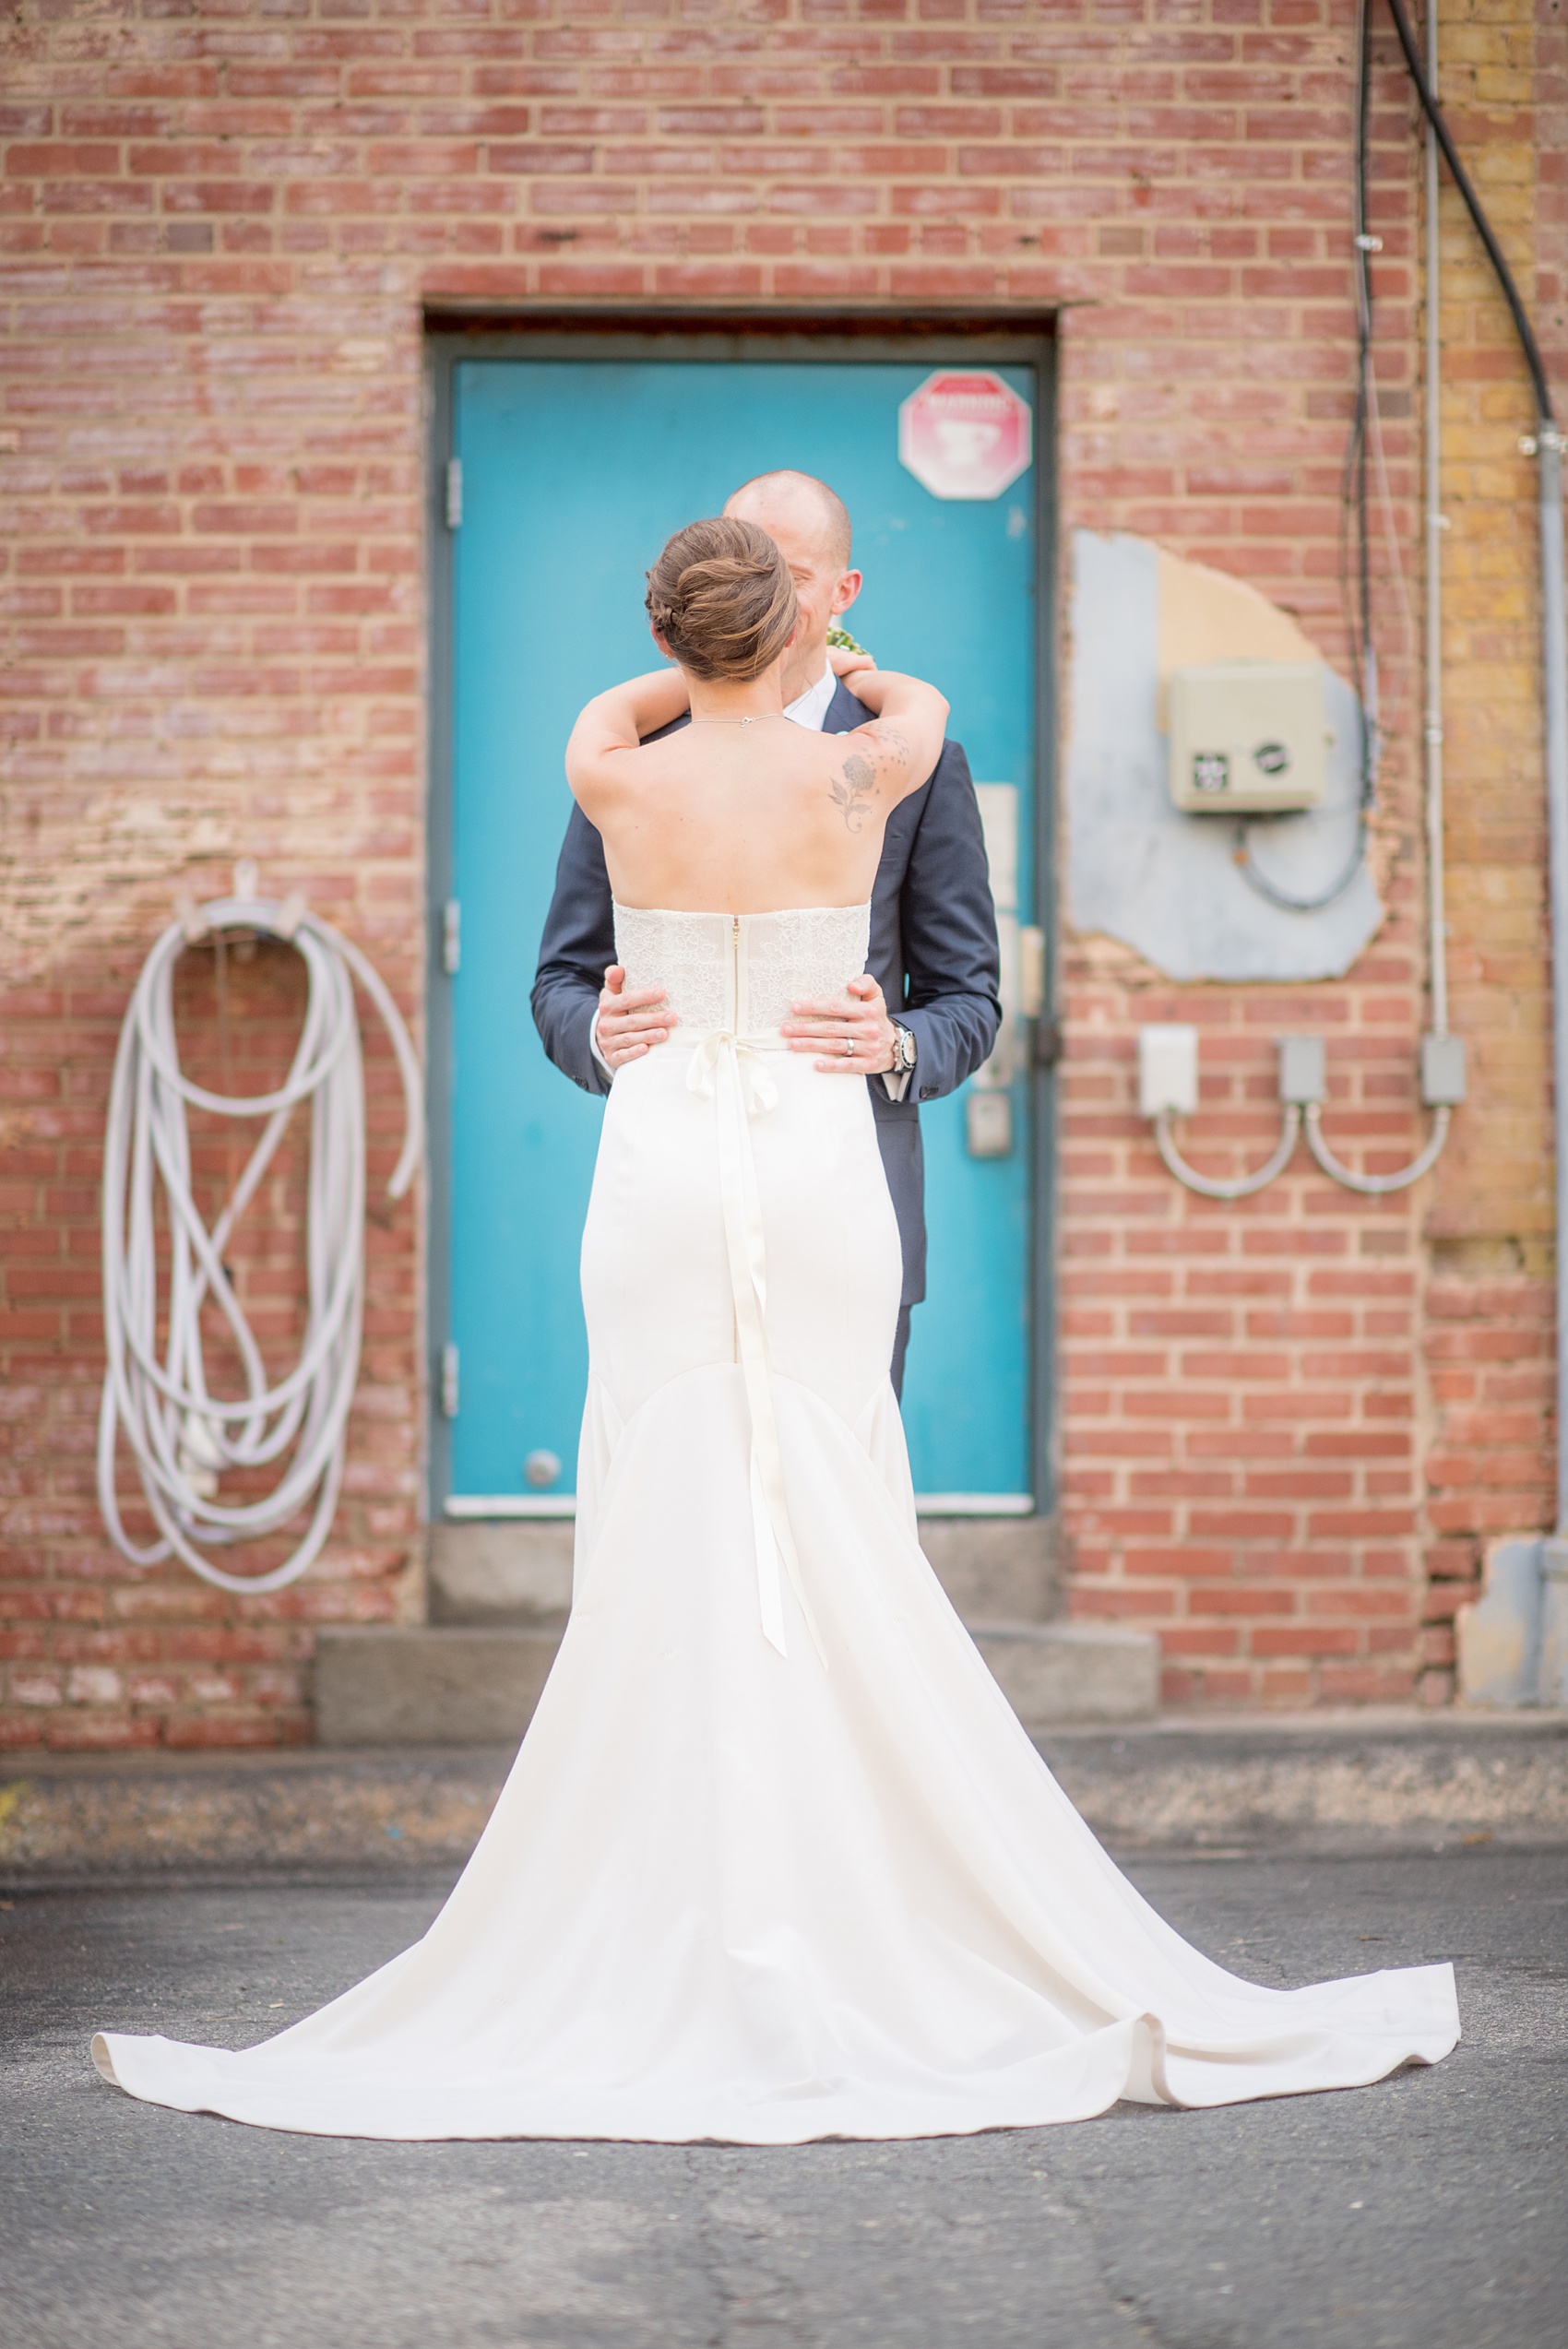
(629, 1021)
(855, 1038)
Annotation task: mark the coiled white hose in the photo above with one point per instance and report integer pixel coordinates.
(181, 1436)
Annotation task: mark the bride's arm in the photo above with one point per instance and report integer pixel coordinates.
(900, 747)
(617, 721)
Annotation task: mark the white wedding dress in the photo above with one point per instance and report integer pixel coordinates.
(775, 1860)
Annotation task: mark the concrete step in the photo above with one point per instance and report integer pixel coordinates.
(443, 1685)
(458, 1685)
(492, 1571)
(519, 1571)
(1071, 1675)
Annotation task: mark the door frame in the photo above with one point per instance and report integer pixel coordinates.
(977, 340)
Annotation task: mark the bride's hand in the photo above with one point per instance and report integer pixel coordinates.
(849, 665)
(866, 681)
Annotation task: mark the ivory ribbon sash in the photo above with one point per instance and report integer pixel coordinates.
(726, 1068)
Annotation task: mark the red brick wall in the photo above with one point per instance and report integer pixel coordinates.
(1293, 1424)
(1242, 1415)
(217, 232)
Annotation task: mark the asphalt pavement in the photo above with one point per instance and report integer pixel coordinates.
(1426, 2212)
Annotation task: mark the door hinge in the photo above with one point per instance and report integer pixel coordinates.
(448, 1381)
(453, 493)
(451, 937)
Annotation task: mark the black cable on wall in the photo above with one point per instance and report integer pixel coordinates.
(1461, 179)
(1355, 493)
(1355, 534)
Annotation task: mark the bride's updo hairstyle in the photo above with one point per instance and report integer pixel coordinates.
(721, 597)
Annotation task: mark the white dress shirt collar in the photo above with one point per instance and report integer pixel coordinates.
(811, 707)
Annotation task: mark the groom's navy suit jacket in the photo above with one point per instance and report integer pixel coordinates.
(932, 953)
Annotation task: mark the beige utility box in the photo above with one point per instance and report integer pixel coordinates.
(1247, 736)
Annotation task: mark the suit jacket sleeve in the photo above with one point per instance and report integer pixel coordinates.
(952, 1004)
(578, 945)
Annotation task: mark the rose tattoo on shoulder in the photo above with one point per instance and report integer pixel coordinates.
(852, 795)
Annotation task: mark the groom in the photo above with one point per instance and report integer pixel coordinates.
(934, 955)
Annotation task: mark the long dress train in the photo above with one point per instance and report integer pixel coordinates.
(775, 1860)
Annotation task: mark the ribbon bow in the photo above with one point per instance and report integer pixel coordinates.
(727, 1069)
(758, 1091)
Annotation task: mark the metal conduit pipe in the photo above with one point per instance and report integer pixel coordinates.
(1437, 924)
(1376, 1186)
(1304, 1106)
(1437, 1078)
(1239, 1186)
(1554, 665)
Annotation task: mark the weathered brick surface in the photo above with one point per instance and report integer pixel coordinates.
(1294, 1422)
(1288, 1424)
(1489, 1335)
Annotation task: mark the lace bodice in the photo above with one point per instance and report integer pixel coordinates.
(741, 971)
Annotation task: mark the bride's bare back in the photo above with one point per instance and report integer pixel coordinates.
(742, 812)
(745, 812)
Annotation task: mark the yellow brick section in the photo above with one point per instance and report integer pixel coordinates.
(1495, 1181)
(1489, 1399)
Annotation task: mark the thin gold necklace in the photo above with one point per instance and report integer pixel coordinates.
(753, 719)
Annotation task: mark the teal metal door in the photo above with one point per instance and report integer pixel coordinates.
(573, 472)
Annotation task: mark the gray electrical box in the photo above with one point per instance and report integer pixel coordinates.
(1442, 1071)
(1248, 737)
(1303, 1077)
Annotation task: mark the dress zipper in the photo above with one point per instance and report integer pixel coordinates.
(735, 1024)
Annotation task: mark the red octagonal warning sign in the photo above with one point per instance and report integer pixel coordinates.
(966, 433)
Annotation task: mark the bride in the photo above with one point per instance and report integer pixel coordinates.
(775, 1860)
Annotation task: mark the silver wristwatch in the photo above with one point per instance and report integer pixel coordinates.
(903, 1049)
